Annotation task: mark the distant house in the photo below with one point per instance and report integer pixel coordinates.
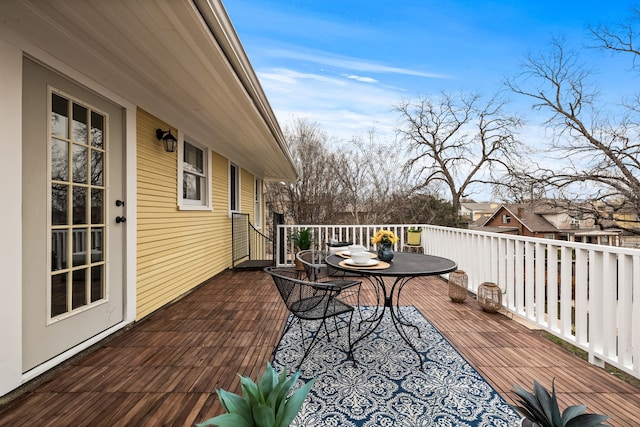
(103, 223)
(473, 211)
(548, 221)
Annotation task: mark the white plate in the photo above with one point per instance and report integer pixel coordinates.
(371, 262)
(347, 253)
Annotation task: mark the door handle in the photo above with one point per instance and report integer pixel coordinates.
(120, 219)
(119, 202)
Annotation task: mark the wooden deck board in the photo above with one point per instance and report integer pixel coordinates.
(165, 369)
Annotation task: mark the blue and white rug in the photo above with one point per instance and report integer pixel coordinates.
(386, 386)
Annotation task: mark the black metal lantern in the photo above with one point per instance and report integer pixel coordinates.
(169, 141)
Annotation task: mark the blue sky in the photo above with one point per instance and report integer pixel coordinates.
(345, 64)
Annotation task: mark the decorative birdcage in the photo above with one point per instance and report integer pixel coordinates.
(458, 286)
(489, 297)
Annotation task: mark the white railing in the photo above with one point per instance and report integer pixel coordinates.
(594, 307)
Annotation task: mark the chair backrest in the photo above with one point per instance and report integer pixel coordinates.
(314, 264)
(293, 290)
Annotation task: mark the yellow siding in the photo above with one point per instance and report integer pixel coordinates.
(177, 250)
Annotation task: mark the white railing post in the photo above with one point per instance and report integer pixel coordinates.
(596, 294)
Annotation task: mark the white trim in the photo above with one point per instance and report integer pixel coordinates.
(11, 215)
(52, 363)
(258, 211)
(131, 213)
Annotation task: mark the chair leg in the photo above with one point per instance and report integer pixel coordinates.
(290, 321)
(313, 342)
(350, 354)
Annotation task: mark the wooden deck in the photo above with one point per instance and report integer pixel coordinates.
(164, 369)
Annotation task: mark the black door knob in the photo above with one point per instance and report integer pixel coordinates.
(120, 219)
(119, 202)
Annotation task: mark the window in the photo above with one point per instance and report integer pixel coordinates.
(234, 188)
(194, 176)
(506, 219)
(257, 200)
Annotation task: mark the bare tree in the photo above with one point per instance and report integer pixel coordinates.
(360, 183)
(622, 37)
(600, 153)
(311, 199)
(370, 177)
(459, 141)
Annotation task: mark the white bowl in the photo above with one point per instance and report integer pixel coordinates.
(361, 258)
(355, 249)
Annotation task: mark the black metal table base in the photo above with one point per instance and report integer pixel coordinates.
(391, 302)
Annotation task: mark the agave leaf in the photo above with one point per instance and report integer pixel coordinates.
(556, 418)
(264, 416)
(267, 381)
(250, 391)
(283, 374)
(294, 403)
(227, 420)
(571, 412)
(587, 420)
(273, 400)
(530, 405)
(545, 400)
(287, 385)
(234, 403)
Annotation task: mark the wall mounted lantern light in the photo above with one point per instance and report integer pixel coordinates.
(169, 141)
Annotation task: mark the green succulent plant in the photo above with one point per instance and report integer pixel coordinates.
(541, 410)
(302, 239)
(265, 404)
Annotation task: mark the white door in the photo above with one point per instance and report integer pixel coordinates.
(72, 194)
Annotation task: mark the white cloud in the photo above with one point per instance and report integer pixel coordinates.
(348, 63)
(342, 106)
(360, 78)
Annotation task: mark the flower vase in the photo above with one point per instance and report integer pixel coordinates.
(385, 253)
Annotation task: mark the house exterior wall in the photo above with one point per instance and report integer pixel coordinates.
(497, 220)
(178, 249)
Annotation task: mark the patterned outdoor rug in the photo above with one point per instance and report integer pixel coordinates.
(386, 387)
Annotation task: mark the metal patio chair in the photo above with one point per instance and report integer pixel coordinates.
(310, 301)
(317, 270)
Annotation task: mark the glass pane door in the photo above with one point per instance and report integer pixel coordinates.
(77, 189)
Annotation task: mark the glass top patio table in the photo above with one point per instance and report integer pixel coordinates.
(404, 267)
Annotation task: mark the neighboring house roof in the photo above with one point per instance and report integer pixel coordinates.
(180, 57)
(527, 215)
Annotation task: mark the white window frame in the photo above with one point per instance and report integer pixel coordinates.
(257, 202)
(234, 177)
(506, 219)
(205, 202)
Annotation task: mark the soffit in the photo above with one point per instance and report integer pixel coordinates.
(180, 60)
